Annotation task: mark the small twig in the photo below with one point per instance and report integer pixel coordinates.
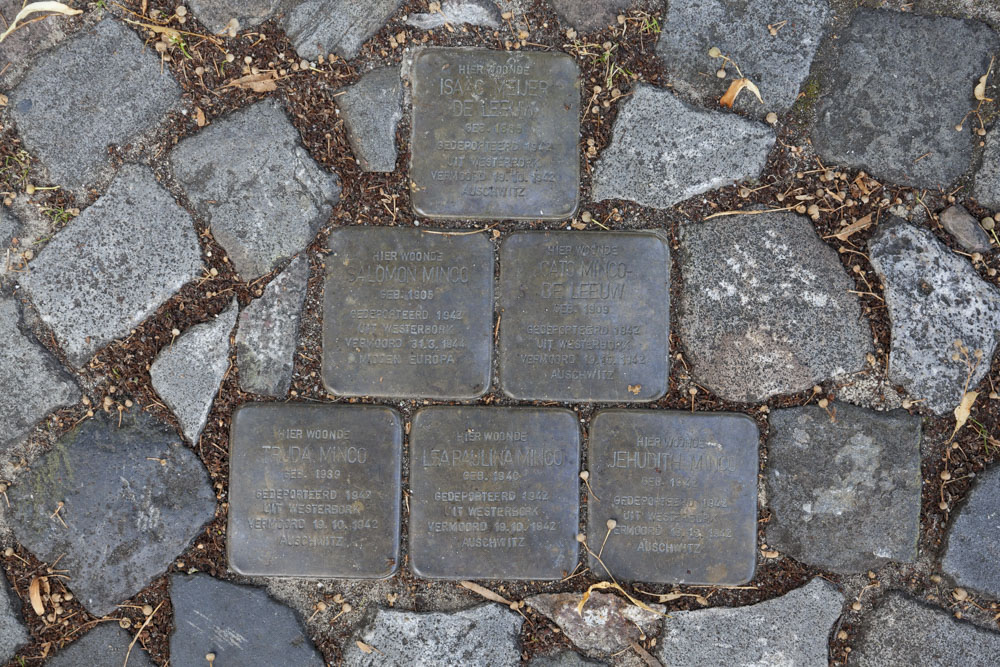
(141, 628)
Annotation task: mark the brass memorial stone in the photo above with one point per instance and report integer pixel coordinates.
(314, 491)
(584, 316)
(682, 490)
(408, 313)
(495, 134)
(494, 493)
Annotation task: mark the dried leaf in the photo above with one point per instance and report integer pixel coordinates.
(365, 648)
(963, 410)
(34, 8)
(199, 117)
(485, 592)
(35, 595)
(600, 585)
(735, 87)
(980, 90)
(259, 83)
(845, 233)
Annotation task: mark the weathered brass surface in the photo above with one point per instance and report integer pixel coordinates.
(408, 313)
(494, 493)
(495, 134)
(585, 316)
(314, 491)
(682, 490)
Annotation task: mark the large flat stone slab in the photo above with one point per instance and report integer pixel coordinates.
(249, 177)
(216, 14)
(19, 48)
(987, 186)
(241, 625)
(901, 631)
(13, 632)
(935, 298)
(129, 499)
(844, 492)
(892, 91)
(973, 554)
(371, 109)
(777, 62)
(32, 383)
(765, 308)
(100, 277)
(105, 645)
(8, 227)
(484, 635)
(187, 373)
(269, 330)
(318, 27)
(681, 489)
(495, 134)
(664, 151)
(494, 493)
(407, 313)
(122, 75)
(607, 624)
(584, 316)
(590, 15)
(314, 491)
(789, 630)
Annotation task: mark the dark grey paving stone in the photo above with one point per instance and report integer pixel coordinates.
(456, 12)
(682, 490)
(132, 499)
(122, 75)
(792, 629)
(216, 14)
(590, 15)
(844, 494)
(664, 151)
(187, 373)
(19, 49)
(249, 177)
(778, 64)
(973, 554)
(901, 630)
(315, 490)
(484, 635)
(9, 227)
(608, 624)
(494, 493)
(100, 277)
(965, 229)
(13, 631)
(335, 26)
(935, 298)
(269, 332)
(765, 308)
(987, 187)
(32, 383)
(892, 91)
(104, 646)
(371, 109)
(241, 625)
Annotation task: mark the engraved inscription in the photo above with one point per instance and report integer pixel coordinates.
(494, 493)
(314, 491)
(407, 313)
(682, 489)
(494, 134)
(584, 316)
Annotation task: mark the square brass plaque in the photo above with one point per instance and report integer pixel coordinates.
(682, 489)
(585, 316)
(495, 493)
(408, 313)
(314, 491)
(495, 134)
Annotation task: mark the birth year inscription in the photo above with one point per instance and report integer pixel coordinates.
(584, 316)
(682, 490)
(314, 491)
(408, 313)
(495, 134)
(494, 493)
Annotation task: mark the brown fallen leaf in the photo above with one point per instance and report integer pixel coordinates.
(854, 227)
(485, 592)
(36, 7)
(199, 117)
(365, 648)
(963, 410)
(735, 87)
(259, 83)
(35, 595)
(635, 388)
